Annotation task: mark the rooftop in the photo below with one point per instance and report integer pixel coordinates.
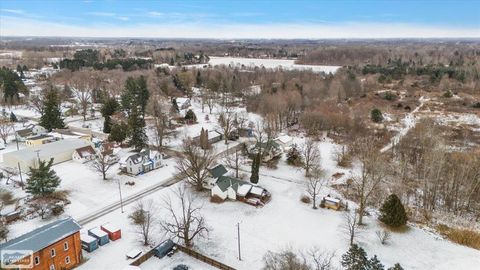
(46, 151)
(44, 236)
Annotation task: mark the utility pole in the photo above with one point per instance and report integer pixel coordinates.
(18, 163)
(238, 238)
(120, 191)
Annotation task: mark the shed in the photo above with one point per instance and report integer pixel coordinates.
(332, 203)
(101, 236)
(89, 243)
(114, 233)
(163, 248)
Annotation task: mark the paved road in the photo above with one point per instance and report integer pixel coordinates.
(138, 195)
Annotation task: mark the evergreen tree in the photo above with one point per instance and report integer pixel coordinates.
(376, 115)
(13, 117)
(190, 116)
(375, 264)
(3, 231)
(255, 168)
(355, 259)
(42, 180)
(294, 157)
(107, 124)
(118, 133)
(135, 94)
(397, 266)
(392, 212)
(52, 116)
(11, 84)
(109, 107)
(175, 108)
(136, 129)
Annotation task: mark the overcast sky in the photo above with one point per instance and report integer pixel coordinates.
(228, 19)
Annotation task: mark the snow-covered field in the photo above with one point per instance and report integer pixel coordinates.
(284, 222)
(285, 64)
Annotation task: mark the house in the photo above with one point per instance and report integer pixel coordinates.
(62, 134)
(269, 149)
(213, 174)
(142, 162)
(213, 137)
(84, 154)
(54, 246)
(39, 140)
(31, 130)
(60, 151)
(183, 103)
(232, 188)
(284, 141)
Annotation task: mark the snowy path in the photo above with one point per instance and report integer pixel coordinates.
(409, 122)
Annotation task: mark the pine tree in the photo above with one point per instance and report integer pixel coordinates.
(118, 133)
(135, 95)
(13, 117)
(3, 231)
(376, 115)
(392, 212)
(397, 266)
(107, 124)
(175, 108)
(42, 180)
(190, 116)
(355, 259)
(375, 264)
(136, 130)
(109, 107)
(52, 116)
(255, 168)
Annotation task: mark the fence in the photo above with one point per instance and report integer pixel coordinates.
(203, 258)
(143, 258)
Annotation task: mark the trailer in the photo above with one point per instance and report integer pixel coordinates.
(101, 236)
(114, 233)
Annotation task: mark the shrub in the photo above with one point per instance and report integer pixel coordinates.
(190, 116)
(392, 212)
(305, 199)
(469, 238)
(294, 157)
(390, 96)
(57, 209)
(6, 197)
(216, 199)
(476, 105)
(322, 203)
(448, 94)
(376, 115)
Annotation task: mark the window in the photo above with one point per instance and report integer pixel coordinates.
(52, 252)
(52, 267)
(65, 246)
(37, 260)
(67, 259)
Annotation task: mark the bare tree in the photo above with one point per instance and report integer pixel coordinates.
(6, 126)
(210, 99)
(233, 160)
(319, 259)
(194, 163)
(144, 218)
(284, 260)
(184, 219)
(102, 164)
(383, 236)
(351, 225)
(37, 103)
(311, 155)
(82, 87)
(315, 183)
(372, 172)
(9, 173)
(226, 120)
(161, 124)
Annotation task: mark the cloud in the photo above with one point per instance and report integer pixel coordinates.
(14, 11)
(102, 14)
(15, 26)
(155, 13)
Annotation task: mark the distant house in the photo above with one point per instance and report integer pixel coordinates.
(269, 149)
(60, 151)
(55, 246)
(39, 140)
(284, 141)
(142, 162)
(183, 103)
(213, 175)
(62, 134)
(232, 188)
(29, 131)
(213, 137)
(84, 154)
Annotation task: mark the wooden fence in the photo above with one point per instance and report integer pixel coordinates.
(143, 258)
(203, 258)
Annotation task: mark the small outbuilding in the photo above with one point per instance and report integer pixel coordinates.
(89, 243)
(163, 248)
(101, 236)
(332, 203)
(84, 154)
(114, 233)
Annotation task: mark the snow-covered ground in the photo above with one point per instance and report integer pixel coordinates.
(285, 64)
(284, 222)
(155, 263)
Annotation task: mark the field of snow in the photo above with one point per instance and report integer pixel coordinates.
(155, 263)
(285, 222)
(269, 64)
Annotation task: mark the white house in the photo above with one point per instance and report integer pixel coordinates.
(284, 141)
(30, 130)
(213, 174)
(84, 154)
(142, 162)
(226, 187)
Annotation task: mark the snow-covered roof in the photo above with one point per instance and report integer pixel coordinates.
(110, 227)
(47, 151)
(44, 236)
(284, 138)
(87, 238)
(98, 232)
(333, 200)
(85, 151)
(256, 190)
(243, 190)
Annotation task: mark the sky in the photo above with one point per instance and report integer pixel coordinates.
(235, 19)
